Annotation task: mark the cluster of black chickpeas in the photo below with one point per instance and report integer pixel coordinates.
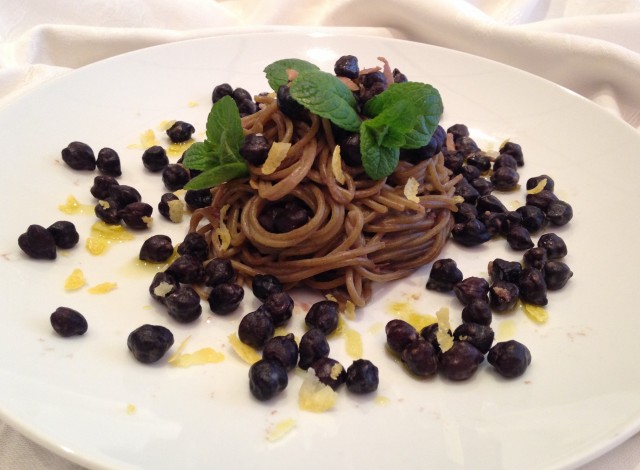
(481, 217)
(280, 354)
(39, 242)
(117, 203)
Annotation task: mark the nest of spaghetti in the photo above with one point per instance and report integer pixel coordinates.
(356, 231)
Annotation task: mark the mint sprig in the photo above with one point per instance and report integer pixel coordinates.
(276, 72)
(326, 96)
(404, 116)
(412, 108)
(218, 157)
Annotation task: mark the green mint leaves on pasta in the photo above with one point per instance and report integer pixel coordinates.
(326, 96)
(277, 75)
(404, 116)
(218, 157)
(321, 93)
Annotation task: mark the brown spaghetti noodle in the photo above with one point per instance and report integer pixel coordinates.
(361, 231)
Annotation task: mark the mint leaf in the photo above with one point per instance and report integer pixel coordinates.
(420, 135)
(277, 71)
(218, 157)
(325, 95)
(217, 175)
(391, 125)
(379, 162)
(224, 130)
(405, 115)
(198, 156)
(422, 98)
(411, 108)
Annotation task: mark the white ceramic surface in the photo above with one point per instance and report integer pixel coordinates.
(579, 398)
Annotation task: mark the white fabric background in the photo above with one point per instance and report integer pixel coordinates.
(591, 47)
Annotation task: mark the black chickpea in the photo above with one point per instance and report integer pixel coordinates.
(68, 322)
(156, 249)
(256, 328)
(225, 298)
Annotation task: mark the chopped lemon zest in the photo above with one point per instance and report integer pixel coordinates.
(164, 125)
(222, 232)
(411, 189)
(277, 153)
(199, 357)
(314, 395)
(193, 104)
(105, 231)
(75, 280)
(336, 165)
(177, 149)
(353, 343)
(244, 351)
(280, 429)
(405, 311)
(536, 313)
(148, 139)
(73, 206)
(102, 288)
(458, 199)
(96, 246)
(131, 409)
(350, 310)
(539, 187)
(445, 340)
(181, 348)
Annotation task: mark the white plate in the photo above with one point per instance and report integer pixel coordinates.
(579, 398)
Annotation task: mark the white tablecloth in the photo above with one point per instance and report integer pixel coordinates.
(591, 47)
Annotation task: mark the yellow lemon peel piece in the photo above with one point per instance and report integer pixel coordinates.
(277, 154)
(336, 165)
(148, 139)
(73, 206)
(102, 288)
(200, 357)
(116, 233)
(96, 246)
(353, 343)
(280, 429)
(314, 395)
(444, 338)
(222, 232)
(244, 351)
(406, 311)
(75, 280)
(536, 313)
(411, 189)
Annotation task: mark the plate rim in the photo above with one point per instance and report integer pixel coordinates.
(39, 438)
